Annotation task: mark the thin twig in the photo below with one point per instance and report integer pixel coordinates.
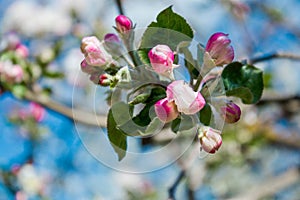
(188, 162)
(270, 96)
(120, 7)
(276, 55)
(173, 188)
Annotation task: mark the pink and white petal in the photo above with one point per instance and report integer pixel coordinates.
(196, 105)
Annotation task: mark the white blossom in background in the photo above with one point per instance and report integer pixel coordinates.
(30, 181)
(72, 68)
(32, 19)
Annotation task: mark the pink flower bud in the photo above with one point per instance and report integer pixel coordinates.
(186, 99)
(37, 111)
(161, 59)
(166, 111)
(22, 51)
(95, 78)
(113, 44)
(231, 112)
(210, 139)
(94, 52)
(86, 68)
(123, 23)
(219, 48)
(13, 73)
(112, 38)
(17, 73)
(104, 80)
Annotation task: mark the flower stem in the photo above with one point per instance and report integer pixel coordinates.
(197, 84)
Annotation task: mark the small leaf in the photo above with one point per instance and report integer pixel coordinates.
(117, 137)
(243, 81)
(189, 61)
(200, 54)
(143, 118)
(175, 125)
(143, 55)
(205, 115)
(169, 29)
(141, 98)
(183, 123)
(154, 125)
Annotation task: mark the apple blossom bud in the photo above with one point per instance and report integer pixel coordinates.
(186, 99)
(37, 111)
(123, 23)
(113, 44)
(166, 111)
(13, 73)
(86, 68)
(112, 38)
(95, 78)
(231, 112)
(161, 59)
(94, 52)
(104, 80)
(22, 51)
(219, 48)
(210, 139)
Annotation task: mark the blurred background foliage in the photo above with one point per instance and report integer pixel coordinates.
(50, 158)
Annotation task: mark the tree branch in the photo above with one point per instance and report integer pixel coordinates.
(120, 7)
(74, 114)
(272, 96)
(276, 55)
(173, 188)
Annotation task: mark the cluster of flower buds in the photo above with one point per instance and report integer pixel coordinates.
(12, 43)
(35, 111)
(181, 98)
(100, 55)
(10, 72)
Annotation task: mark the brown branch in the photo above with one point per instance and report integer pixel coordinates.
(270, 96)
(74, 114)
(276, 55)
(120, 7)
(173, 188)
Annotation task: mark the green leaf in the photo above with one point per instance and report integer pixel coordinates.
(175, 125)
(205, 115)
(169, 29)
(189, 61)
(143, 118)
(154, 125)
(243, 81)
(141, 98)
(117, 137)
(183, 123)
